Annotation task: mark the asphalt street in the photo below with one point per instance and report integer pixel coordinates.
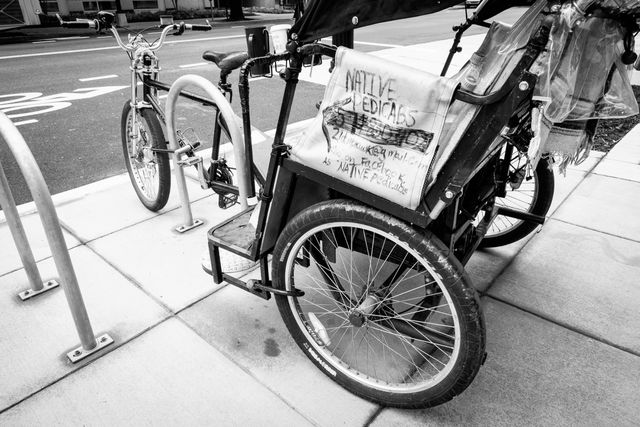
(66, 94)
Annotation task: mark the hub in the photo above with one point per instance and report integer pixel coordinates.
(358, 316)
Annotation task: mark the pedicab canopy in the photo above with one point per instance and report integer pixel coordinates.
(324, 18)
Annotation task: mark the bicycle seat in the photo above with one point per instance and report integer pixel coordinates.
(226, 61)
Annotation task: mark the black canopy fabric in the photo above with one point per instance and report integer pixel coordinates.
(323, 18)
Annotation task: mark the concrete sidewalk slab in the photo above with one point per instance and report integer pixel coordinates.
(618, 169)
(628, 149)
(168, 376)
(595, 157)
(580, 278)
(91, 214)
(250, 331)
(605, 204)
(537, 373)
(37, 334)
(9, 256)
(486, 264)
(162, 261)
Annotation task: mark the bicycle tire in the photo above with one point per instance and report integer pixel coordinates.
(534, 196)
(149, 172)
(410, 314)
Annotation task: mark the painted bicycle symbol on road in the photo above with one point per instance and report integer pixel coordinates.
(29, 104)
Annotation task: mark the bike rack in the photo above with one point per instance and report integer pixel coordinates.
(42, 198)
(242, 169)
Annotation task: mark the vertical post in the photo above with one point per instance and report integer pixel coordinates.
(8, 205)
(243, 166)
(344, 38)
(51, 224)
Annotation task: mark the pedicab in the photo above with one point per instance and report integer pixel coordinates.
(363, 222)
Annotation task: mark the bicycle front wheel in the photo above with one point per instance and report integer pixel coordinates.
(148, 170)
(379, 307)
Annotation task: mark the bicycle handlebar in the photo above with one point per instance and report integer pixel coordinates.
(89, 23)
(195, 27)
(80, 24)
(131, 46)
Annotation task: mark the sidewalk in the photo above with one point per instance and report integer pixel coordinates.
(561, 311)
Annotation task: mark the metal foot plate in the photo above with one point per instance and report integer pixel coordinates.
(185, 228)
(46, 286)
(80, 353)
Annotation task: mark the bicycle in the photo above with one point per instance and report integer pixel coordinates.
(143, 141)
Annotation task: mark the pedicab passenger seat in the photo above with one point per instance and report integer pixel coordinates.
(390, 130)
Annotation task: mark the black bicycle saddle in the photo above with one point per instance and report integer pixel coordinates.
(226, 61)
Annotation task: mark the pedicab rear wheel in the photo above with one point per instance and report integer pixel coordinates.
(386, 312)
(533, 194)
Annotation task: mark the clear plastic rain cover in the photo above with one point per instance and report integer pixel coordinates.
(582, 77)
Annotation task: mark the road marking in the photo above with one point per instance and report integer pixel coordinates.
(96, 49)
(19, 105)
(205, 39)
(88, 79)
(379, 44)
(71, 38)
(197, 64)
(104, 37)
(163, 96)
(60, 52)
(253, 79)
(238, 26)
(44, 41)
(328, 39)
(25, 122)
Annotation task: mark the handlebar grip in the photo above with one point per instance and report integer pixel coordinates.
(78, 24)
(195, 27)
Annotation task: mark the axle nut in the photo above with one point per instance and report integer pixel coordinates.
(523, 86)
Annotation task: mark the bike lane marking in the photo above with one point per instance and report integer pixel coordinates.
(96, 49)
(19, 105)
(88, 79)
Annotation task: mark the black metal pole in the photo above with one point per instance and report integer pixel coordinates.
(344, 38)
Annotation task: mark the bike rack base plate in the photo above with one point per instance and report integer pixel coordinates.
(46, 286)
(80, 353)
(185, 228)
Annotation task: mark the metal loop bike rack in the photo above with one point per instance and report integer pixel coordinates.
(242, 169)
(42, 198)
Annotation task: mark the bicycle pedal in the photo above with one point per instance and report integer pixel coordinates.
(225, 201)
(190, 161)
